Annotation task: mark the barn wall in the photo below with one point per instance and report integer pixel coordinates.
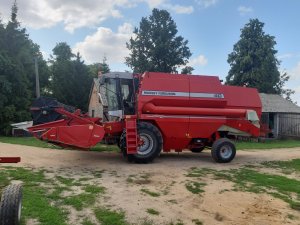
(288, 125)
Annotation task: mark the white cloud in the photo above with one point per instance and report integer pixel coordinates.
(105, 42)
(200, 60)
(74, 14)
(179, 9)
(206, 3)
(155, 3)
(243, 10)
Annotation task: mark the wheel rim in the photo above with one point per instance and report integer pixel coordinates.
(225, 151)
(19, 211)
(147, 144)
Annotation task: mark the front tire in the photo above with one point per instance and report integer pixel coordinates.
(151, 146)
(11, 205)
(223, 150)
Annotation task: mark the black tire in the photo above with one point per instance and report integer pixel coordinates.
(11, 204)
(122, 144)
(197, 150)
(152, 148)
(223, 150)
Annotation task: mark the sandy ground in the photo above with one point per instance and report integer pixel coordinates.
(167, 176)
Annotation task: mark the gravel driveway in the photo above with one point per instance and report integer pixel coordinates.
(167, 175)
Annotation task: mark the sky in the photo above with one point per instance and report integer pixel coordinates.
(101, 28)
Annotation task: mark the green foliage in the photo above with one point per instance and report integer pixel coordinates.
(195, 187)
(253, 61)
(187, 70)
(151, 193)
(109, 217)
(286, 166)
(268, 144)
(87, 222)
(96, 67)
(36, 203)
(155, 46)
(71, 79)
(29, 141)
(153, 211)
(17, 76)
(246, 179)
(80, 201)
(62, 51)
(94, 189)
(197, 222)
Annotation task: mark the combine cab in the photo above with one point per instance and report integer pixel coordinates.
(154, 112)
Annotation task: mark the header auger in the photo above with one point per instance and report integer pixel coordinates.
(154, 112)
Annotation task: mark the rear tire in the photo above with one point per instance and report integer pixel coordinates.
(223, 150)
(152, 143)
(11, 205)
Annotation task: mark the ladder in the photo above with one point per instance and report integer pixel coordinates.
(131, 134)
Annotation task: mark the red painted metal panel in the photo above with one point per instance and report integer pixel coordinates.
(242, 97)
(173, 128)
(10, 159)
(204, 127)
(75, 130)
(152, 109)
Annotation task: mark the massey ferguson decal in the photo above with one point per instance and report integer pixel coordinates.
(183, 94)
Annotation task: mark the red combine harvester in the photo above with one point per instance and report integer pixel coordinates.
(155, 111)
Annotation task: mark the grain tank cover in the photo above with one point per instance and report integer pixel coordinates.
(181, 94)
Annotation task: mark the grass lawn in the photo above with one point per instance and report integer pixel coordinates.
(268, 144)
(31, 141)
(250, 179)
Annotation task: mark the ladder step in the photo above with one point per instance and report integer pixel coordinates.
(131, 135)
(131, 146)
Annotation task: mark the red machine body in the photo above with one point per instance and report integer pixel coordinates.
(172, 112)
(75, 129)
(185, 107)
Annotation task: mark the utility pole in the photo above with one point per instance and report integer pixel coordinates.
(37, 79)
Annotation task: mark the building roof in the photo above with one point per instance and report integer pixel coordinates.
(277, 104)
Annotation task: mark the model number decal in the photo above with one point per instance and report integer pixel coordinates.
(183, 94)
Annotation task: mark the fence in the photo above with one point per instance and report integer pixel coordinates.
(289, 125)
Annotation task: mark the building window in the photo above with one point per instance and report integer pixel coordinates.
(93, 113)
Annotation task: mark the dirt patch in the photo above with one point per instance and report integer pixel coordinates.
(218, 204)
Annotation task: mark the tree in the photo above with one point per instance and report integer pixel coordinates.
(253, 61)
(70, 79)
(155, 46)
(63, 51)
(17, 81)
(96, 67)
(187, 70)
(82, 83)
